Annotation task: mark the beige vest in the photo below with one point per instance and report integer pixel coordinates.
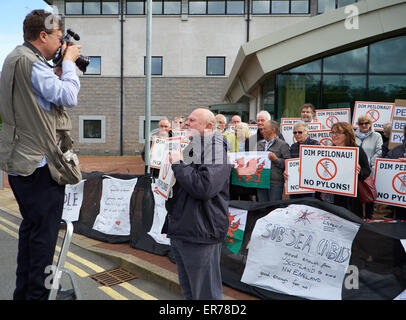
(30, 132)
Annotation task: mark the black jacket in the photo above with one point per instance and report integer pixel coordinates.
(397, 152)
(198, 209)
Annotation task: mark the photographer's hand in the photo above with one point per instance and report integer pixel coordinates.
(72, 52)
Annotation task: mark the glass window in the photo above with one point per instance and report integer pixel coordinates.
(343, 3)
(172, 7)
(311, 67)
(387, 88)
(235, 7)
(110, 7)
(388, 56)
(260, 7)
(299, 6)
(325, 5)
(156, 66)
(280, 6)
(92, 129)
(354, 61)
(341, 91)
(135, 7)
(294, 91)
(197, 7)
(156, 7)
(215, 66)
(94, 66)
(91, 7)
(216, 7)
(73, 7)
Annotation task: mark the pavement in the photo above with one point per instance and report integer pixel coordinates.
(144, 264)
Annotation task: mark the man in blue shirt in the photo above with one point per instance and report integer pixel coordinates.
(28, 143)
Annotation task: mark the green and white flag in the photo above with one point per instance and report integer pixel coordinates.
(237, 220)
(250, 169)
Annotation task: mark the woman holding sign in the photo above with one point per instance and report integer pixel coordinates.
(343, 135)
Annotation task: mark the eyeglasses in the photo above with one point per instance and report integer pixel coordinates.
(363, 123)
(297, 132)
(336, 133)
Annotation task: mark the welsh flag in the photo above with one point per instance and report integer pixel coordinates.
(237, 219)
(250, 169)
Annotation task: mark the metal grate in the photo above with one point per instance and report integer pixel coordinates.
(112, 277)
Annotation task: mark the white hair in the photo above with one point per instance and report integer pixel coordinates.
(265, 113)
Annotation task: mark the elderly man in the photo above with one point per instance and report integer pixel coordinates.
(307, 113)
(235, 120)
(221, 123)
(278, 153)
(301, 135)
(197, 219)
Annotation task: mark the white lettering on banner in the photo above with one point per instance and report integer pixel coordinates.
(73, 201)
(114, 215)
(379, 112)
(310, 250)
(329, 169)
(292, 183)
(390, 182)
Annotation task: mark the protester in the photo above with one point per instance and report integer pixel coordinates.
(242, 134)
(31, 100)
(399, 153)
(197, 219)
(262, 117)
(178, 123)
(307, 113)
(371, 143)
(235, 120)
(278, 153)
(343, 135)
(221, 123)
(301, 135)
(387, 128)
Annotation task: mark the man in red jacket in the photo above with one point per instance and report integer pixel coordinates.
(197, 219)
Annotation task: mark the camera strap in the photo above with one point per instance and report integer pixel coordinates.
(37, 52)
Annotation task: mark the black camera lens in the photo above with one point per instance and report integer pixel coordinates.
(82, 62)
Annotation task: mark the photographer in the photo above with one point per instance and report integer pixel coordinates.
(35, 142)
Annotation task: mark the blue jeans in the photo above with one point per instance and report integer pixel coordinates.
(274, 193)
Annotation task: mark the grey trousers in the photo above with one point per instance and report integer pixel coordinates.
(198, 269)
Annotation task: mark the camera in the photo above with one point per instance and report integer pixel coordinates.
(82, 62)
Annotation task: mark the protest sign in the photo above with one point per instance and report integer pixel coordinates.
(114, 215)
(253, 129)
(156, 153)
(379, 112)
(310, 250)
(289, 120)
(327, 117)
(287, 131)
(390, 182)
(322, 136)
(178, 133)
(159, 218)
(250, 169)
(329, 169)
(73, 201)
(398, 124)
(292, 183)
(237, 219)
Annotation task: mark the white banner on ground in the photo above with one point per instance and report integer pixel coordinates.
(390, 182)
(329, 169)
(292, 183)
(159, 218)
(114, 215)
(73, 201)
(309, 252)
(380, 113)
(328, 117)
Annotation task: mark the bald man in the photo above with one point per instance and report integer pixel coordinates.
(197, 219)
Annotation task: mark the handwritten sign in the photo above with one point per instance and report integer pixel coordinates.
(379, 112)
(398, 124)
(329, 169)
(328, 117)
(292, 183)
(390, 182)
(114, 215)
(310, 250)
(73, 201)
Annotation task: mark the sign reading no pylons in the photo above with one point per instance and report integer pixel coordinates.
(329, 169)
(390, 182)
(379, 112)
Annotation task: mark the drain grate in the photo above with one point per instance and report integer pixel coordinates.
(112, 277)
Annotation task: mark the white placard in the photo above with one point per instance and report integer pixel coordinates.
(328, 117)
(292, 183)
(329, 169)
(73, 201)
(114, 215)
(380, 113)
(289, 120)
(390, 182)
(322, 136)
(287, 131)
(157, 150)
(159, 218)
(301, 251)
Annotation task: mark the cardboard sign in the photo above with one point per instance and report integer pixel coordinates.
(73, 201)
(292, 183)
(380, 113)
(398, 124)
(156, 153)
(322, 136)
(390, 182)
(328, 117)
(329, 169)
(301, 251)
